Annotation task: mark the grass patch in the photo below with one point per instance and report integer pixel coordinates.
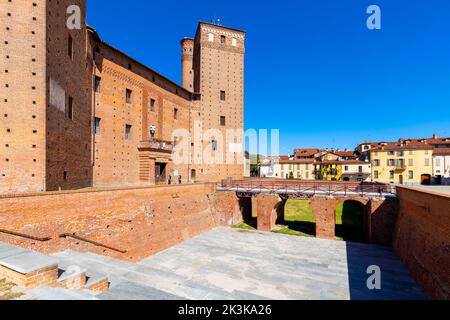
(299, 220)
(6, 290)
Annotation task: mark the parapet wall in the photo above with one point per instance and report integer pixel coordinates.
(422, 239)
(128, 223)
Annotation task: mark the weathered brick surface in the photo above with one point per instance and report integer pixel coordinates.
(383, 219)
(101, 286)
(75, 282)
(422, 239)
(22, 96)
(140, 221)
(270, 208)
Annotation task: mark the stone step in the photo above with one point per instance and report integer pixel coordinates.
(27, 268)
(48, 293)
(92, 279)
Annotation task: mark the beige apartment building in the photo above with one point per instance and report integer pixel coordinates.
(295, 169)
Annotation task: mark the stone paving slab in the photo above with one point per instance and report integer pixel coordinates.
(28, 262)
(229, 264)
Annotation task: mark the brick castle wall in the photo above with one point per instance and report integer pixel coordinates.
(140, 221)
(422, 239)
(68, 139)
(22, 96)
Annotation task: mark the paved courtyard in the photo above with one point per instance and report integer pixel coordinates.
(227, 263)
(438, 189)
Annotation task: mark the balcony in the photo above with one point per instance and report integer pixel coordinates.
(156, 146)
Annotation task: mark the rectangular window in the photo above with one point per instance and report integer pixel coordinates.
(234, 42)
(65, 175)
(411, 152)
(222, 95)
(376, 174)
(210, 37)
(70, 47)
(427, 162)
(391, 174)
(70, 108)
(391, 153)
(152, 105)
(214, 145)
(222, 39)
(346, 168)
(222, 121)
(128, 95)
(391, 162)
(410, 175)
(411, 162)
(97, 125)
(360, 169)
(438, 162)
(401, 153)
(175, 113)
(127, 132)
(97, 84)
(376, 162)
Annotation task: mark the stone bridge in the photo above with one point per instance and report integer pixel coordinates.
(269, 197)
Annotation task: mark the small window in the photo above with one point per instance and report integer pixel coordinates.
(175, 113)
(128, 95)
(210, 37)
(127, 132)
(97, 125)
(97, 84)
(222, 95)
(152, 105)
(222, 121)
(411, 175)
(223, 39)
(376, 174)
(391, 174)
(70, 47)
(234, 42)
(214, 145)
(70, 108)
(65, 175)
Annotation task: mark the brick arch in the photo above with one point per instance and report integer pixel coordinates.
(324, 210)
(270, 209)
(365, 205)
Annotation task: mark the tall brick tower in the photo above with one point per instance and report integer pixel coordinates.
(218, 65)
(187, 58)
(44, 98)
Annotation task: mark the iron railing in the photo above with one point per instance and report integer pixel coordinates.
(309, 187)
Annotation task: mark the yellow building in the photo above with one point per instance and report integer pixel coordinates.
(402, 162)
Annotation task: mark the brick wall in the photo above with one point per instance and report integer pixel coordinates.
(422, 239)
(140, 221)
(68, 138)
(22, 96)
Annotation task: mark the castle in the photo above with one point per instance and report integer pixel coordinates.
(77, 112)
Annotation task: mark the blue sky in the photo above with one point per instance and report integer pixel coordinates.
(313, 69)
